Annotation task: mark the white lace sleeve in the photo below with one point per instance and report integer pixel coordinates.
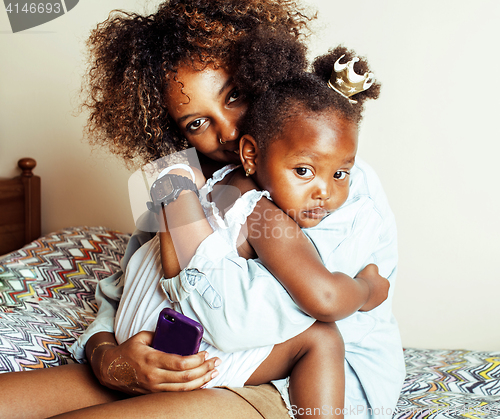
(235, 217)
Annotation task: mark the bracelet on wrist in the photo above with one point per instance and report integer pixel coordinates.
(98, 346)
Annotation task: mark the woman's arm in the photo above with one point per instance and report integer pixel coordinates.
(183, 226)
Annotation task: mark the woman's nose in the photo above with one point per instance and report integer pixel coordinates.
(228, 129)
(229, 133)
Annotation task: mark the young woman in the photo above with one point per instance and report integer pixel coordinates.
(135, 59)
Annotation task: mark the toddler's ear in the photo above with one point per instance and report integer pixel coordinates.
(249, 153)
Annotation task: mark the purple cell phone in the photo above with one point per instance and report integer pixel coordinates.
(177, 334)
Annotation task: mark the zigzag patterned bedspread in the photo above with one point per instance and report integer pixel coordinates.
(47, 294)
(46, 301)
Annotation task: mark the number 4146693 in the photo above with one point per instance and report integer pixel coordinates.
(34, 8)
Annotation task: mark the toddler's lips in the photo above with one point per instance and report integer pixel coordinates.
(316, 213)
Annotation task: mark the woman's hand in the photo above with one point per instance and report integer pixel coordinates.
(134, 367)
(378, 287)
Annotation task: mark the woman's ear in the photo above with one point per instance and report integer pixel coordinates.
(249, 153)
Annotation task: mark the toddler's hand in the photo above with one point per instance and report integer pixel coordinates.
(377, 285)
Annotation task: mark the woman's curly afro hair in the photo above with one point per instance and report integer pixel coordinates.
(130, 56)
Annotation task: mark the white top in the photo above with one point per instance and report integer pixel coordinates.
(362, 231)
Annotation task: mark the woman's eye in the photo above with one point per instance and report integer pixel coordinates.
(340, 175)
(233, 96)
(303, 171)
(196, 124)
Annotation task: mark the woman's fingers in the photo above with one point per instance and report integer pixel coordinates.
(181, 373)
(174, 362)
(191, 379)
(135, 367)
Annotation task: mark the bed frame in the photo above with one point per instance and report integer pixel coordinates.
(20, 208)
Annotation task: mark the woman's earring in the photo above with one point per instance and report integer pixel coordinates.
(222, 142)
(247, 172)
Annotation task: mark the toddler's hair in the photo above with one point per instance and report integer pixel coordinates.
(304, 92)
(130, 56)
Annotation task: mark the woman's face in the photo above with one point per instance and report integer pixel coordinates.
(207, 107)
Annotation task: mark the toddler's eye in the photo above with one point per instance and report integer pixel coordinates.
(303, 171)
(196, 124)
(340, 175)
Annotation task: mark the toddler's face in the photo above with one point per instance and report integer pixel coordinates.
(306, 170)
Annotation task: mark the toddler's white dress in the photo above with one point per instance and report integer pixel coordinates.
(143, 296)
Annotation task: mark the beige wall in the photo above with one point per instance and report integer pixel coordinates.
(432, 137)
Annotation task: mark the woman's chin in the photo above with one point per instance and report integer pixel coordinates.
(230, 157)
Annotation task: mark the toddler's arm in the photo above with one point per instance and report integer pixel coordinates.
(378, 287)
(235, 299)
(292, 258)
(323, 295)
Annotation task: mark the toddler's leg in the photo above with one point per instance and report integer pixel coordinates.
(315, 362)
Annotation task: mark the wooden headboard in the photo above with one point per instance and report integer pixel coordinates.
(20, 208)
